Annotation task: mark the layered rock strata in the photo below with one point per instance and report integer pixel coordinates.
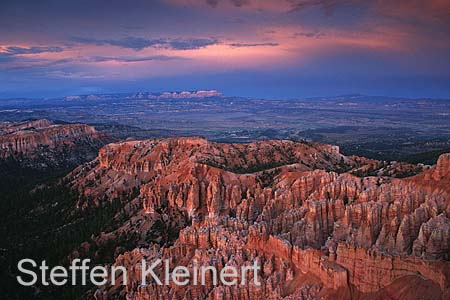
(37, 142)
(317, 230)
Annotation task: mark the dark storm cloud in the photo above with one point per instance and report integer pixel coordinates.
(239, 3)
(139, 43)
(254, 44)
(431, 11)
(310, 34)
(130, 58)
(12, 53)
(32, 63)
(212, 3)
(187, 44)
(327, 5)
(136, 43)
(408, 11)
(14, 50)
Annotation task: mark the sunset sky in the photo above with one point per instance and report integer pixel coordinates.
(257, 48)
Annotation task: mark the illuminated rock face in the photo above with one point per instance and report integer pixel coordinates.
(317, 231)
(43, 139)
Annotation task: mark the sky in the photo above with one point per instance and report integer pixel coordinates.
(254, 48)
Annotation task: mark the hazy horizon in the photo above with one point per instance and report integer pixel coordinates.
(309, 97)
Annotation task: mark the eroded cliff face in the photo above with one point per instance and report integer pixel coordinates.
(9, 127)
(318, 231)
(41, 142)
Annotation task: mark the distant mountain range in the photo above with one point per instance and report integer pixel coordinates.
(148, 95)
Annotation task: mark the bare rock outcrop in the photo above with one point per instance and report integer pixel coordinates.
(317, 230)
(40, 143)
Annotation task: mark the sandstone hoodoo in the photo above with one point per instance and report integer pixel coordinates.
(318, 230)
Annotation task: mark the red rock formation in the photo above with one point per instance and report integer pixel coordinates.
(7, 127)
(316, 229)
(24, 138)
